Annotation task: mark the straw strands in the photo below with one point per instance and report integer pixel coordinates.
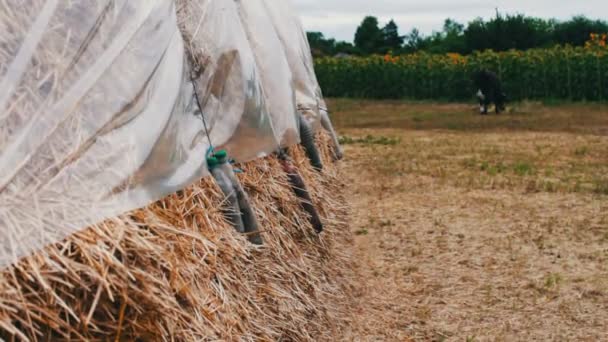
(176, 270)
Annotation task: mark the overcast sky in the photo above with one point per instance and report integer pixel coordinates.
(340, 18)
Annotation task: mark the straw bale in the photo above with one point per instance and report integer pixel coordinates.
(176, 270)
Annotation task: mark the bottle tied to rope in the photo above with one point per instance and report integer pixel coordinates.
(232, 211)
(236, 197)
(299, 188)
(307, 139)
(239, 212)
(328, 126)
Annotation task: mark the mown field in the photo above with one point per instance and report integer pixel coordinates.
(575, 74)
(476, 228)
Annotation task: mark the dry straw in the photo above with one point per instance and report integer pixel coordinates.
(177, 271)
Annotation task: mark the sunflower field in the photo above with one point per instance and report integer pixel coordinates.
(570, 73)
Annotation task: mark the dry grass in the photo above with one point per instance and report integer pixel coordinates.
(479, 228)
(529, 161)
(541, 150)
(176, 271)
(527, 116)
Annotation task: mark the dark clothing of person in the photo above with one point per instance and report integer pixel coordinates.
(490, 87)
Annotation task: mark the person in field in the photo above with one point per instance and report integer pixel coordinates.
(489, 91)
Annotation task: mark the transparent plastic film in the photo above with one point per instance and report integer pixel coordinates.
(295, 44)
(276, 76)
(97, 116)
(309, 97)
(228, 82)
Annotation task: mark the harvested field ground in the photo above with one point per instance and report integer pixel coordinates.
(474, 228)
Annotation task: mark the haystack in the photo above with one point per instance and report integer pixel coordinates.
(176, 270)
(98, 117)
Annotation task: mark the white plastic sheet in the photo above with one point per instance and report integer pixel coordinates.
(229, 83)
(276, 76)
(96, 115)
(297, 50)
(106, 106)
(309, 97)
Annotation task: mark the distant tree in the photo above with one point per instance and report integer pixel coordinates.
(392, 41)
(503, 32)
(452, 37)
(577, 30)
(520, 32)
(452, 27)
(414, 41)
(315, 38)
(347, 48)
(543, 32)
(507, 32)
(368, 38)
(319, 45)
(477, 36)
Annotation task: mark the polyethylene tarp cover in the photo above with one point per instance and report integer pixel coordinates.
(276, 75)
(229, 84)
(296, 47)
(97, 116)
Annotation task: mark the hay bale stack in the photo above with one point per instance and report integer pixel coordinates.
(176, 270)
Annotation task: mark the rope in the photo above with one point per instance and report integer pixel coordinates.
(200, 107)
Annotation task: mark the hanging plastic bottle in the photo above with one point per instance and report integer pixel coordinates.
(299, 187)
(307, 139)
(250, 222)
(232, 210)
(326, 123)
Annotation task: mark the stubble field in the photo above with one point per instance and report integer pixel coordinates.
(474, 228)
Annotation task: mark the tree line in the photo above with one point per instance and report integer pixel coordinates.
(501, 33)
